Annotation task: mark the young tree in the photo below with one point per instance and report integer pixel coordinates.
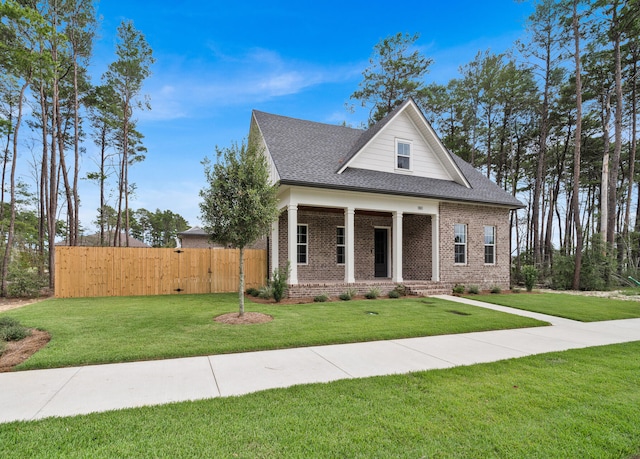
(395, 74)
(240, 204)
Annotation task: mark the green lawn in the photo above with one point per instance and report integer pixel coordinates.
(104, 330)
(576, 307)
(574, 404)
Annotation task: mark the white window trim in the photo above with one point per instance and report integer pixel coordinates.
(395, 155)
(465, 243)
(306, 245)
(490, 245)
(344, 245)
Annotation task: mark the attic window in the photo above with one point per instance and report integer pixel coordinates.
(403, 154)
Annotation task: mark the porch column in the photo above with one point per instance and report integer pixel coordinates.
(292, 238)
(397, 247)
(349, 234)
(274, 248)
(435, 248)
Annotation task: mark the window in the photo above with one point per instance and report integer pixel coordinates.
(460, 248)
(489, 245)
(403, 155)
(303, 244)
(340, 245)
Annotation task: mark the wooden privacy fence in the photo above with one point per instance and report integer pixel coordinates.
(119, 271)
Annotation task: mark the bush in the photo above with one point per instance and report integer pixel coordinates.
(394, 294)
(473, 289)
(372, 294)
(530, 274)
(279, 283)
(345, 296)
(495, 289)
(252, 292)
(321, 298)
(401, 290)
(516, 290)
(11, 330)
(265, 292)
(458, 289)
(24, 283)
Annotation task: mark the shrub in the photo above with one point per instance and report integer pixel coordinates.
(14, 333)
(345, 296)
(24, 283)
(530, 274)
(279, 282)
(321, 298)
(11, 330)
(265, 292)
(473, 289)
(8, 322)
(372, 294)
(252, 292)
(394, 294)
(458, 289)
(495, 289)
(401, 290)
(516, 290)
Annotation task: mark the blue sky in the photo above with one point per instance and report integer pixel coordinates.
(216, 61)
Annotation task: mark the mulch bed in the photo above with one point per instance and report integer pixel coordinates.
(233, 318)
(17, 352)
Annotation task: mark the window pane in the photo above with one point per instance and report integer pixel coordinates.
(340, 255)
(302, 254)
(489, 254)
(404, 149)
(460, 253)
(460, 231)
(340, 236)
(489, 235)
(403, 162)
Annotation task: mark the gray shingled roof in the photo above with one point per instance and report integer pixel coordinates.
(308, 153)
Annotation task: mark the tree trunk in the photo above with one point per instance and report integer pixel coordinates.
(576, 154)
(241, 286)
(12, 219)
(615, 163)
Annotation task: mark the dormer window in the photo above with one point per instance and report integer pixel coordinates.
(403, 154)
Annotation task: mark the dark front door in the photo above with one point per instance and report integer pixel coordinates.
(381, 252)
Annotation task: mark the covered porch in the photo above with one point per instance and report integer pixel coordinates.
(338, 240)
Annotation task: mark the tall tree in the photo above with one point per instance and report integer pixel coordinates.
(395, 73)
(126, 76)
(239, 203)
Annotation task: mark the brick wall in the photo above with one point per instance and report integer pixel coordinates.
(416, 247)
(474, 271)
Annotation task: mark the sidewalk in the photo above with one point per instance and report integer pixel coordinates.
(39, 394)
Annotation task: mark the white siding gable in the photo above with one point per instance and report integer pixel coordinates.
(380, 153)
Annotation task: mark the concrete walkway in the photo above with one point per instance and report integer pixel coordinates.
(37, 394)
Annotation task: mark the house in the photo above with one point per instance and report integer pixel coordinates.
(381, 206)
(197, 238)
(93, 240)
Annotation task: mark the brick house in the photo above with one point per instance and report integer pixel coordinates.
(380, 207)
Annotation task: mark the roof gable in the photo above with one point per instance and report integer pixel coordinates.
(312, 154)
(376, 149)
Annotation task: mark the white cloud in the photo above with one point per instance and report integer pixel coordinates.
(188, 88)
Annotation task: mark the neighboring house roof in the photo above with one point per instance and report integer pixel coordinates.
(307, 153)
(194, 231)
(93, 240)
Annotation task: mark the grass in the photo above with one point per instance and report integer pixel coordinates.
(579, 403)
(575, 307)
(106, 330)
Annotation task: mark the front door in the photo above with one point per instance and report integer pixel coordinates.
(381, 252)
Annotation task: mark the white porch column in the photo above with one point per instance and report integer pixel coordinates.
(435, 248)
(349, 234)
(292, 238)
(274, 248)
(397, 247)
